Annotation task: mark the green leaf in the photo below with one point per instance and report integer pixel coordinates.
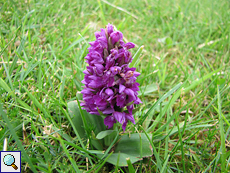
(130, 147)
(122, 159)
(110, 138)
(76, 118)
(105, 133)
(98, 144)
(95, 124)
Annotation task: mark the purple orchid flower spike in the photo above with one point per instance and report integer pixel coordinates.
(110, 85)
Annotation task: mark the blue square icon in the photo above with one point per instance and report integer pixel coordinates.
(10, 161)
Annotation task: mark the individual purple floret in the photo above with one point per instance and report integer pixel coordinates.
(110, 85)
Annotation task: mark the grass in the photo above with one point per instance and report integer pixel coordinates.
(184, 81)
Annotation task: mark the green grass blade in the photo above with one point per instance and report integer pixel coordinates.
(20, 48)
(197, 82)
(39, 105)
(102, 164)
(130, 166)
(8, 77)
(121, 9)
(162, 113)
(158, 102)
(136, 57)
(159, 162)
(111, 145)
(222, 133)
(181, 143)
(102, 12)
(68, 155)
(165, 164)
(73, 44)
(16, 138)
(1, 52)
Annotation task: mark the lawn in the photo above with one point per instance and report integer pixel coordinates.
(184, 82)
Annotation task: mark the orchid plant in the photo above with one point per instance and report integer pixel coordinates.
(109, 94)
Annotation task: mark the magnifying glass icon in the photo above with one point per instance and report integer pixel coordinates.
(9, 160)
